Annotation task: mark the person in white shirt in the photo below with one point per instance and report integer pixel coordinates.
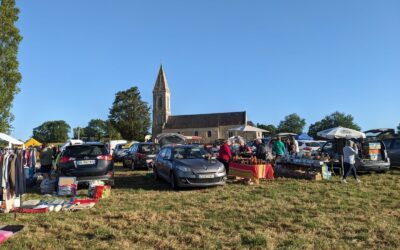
(350, 152)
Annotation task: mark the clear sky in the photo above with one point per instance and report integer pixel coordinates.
(270, 58)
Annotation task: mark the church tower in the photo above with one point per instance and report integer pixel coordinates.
(161, 103)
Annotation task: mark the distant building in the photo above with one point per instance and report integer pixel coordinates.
(208, 126)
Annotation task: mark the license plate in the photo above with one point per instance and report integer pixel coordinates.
(205, 176)
(85, 162)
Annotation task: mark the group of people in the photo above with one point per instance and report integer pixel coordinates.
(291, 146)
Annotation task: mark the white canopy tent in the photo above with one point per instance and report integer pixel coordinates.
(340, 132)
(245, 129)
(11, 141)
(248, 128)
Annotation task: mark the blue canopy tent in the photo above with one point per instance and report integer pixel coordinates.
(304, 136)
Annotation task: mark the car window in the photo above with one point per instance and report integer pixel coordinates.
(328, 146)
(301, 143)
(189, 153)
(167, 153)
(396, 144)
(387, 142)
(149, 148)
(312, 144)
(86, 150)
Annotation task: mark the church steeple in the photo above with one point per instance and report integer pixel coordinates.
(161, 102)
(161, 82)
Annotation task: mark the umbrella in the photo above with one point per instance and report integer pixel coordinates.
(247, 128)
(340, 132)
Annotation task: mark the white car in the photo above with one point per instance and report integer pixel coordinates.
(309, 145)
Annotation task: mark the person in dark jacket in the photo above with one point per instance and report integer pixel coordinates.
(225, 155)
(261, 152)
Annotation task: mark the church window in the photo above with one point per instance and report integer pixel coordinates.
(159, 102)
(196, 133)
(209, 133)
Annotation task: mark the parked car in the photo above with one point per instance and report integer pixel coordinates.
(112, 144)
(393, 149)
(188, 166)
(87, 162)
(380, 165)
(141, 155)
(309, 145)
(119, 152)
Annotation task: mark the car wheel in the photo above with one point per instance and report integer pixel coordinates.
(155, 174)
(173, 182)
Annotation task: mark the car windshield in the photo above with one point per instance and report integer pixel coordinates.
(149, 149)
(189, 153)
(312, 144)
(86, 150)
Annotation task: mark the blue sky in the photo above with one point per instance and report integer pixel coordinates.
(270, 58)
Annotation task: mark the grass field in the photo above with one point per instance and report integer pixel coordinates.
(282, 214)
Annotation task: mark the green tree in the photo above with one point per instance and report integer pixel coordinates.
(79, 132)
(333, 120)
(52, 131)
(130, 115)
(9, 73)
(96, 129)
(292, 123)
(270, 128)
(111, 132)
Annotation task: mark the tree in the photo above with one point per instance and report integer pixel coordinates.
(270, 128)
(96, 129)
(79, 132)
(292, 123)
(130, 115)
(52, 131)
(333, 120)
(111, 132)
(9, 73)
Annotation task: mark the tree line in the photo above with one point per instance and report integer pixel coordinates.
(293, 123)
(129, 118)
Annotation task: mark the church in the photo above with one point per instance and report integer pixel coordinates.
(208, 126)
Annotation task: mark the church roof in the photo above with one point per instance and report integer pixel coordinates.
(206, 120)
(161, 82)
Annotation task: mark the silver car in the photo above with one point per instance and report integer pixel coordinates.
(188, 166)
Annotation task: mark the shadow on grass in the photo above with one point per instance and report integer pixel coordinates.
(140, 181)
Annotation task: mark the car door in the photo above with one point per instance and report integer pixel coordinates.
(394, 152)
(159, 162)
(166, 162)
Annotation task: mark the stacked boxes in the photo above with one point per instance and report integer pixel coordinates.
(372, 150)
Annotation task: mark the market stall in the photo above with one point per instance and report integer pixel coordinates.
(302, 168)
(251, 168)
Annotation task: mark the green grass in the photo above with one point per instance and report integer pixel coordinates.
(282, 214)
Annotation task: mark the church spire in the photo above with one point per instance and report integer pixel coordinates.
(161, 82)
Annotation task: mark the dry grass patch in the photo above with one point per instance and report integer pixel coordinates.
(284, 214)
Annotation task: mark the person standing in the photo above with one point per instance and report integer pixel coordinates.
(278, 148)
(294, 146)
(225, 155)
(46, 160)
(350, 152)
(261, 152)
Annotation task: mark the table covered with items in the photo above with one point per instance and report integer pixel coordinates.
(251, 168)
(303, 168)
